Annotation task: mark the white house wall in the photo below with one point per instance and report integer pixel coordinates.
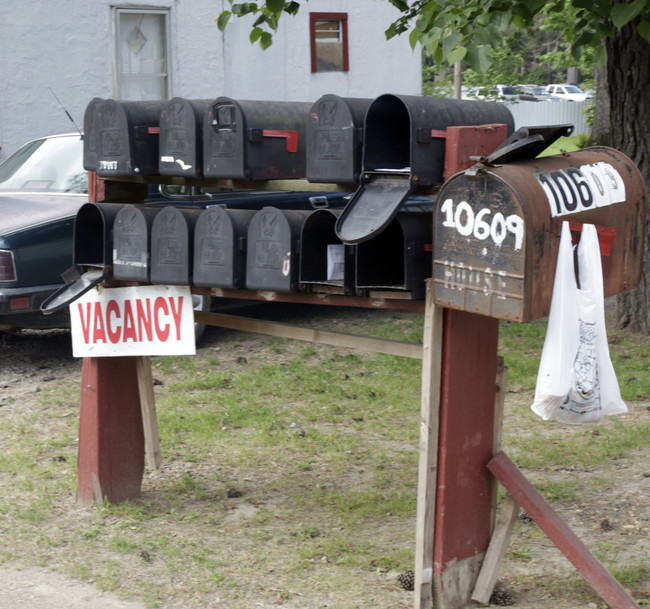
(69, 47)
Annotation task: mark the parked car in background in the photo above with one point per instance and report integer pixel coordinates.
(567, 92)
(43, 185)
(535, 93)
(494, 93)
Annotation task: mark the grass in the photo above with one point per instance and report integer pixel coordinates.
(566, 144)
(285, 463)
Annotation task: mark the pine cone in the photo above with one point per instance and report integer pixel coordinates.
(407, 579)
(502, 595)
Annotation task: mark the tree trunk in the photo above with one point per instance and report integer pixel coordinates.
(628, 77)
(601, 132)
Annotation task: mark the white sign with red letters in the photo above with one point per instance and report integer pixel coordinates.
(135, 320)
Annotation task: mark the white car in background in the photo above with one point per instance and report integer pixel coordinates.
(568, 92)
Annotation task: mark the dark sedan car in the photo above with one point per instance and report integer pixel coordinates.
(42, 186)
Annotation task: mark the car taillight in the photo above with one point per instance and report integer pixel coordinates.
(7, 267)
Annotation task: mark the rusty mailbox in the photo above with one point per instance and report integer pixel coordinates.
(181, 137)
(497, 229)
(326, 263)
(403, 148)
(122, 137)
(220, 240)
(254, 140)
(399, 258)
(172, 245)
(273, 249)
(335, 139)
(131, 242)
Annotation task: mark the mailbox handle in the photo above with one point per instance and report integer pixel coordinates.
(290, 136)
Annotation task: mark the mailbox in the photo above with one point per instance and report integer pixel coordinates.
(93, 248)
(91, 134)
(131, 242)
(399, 258)
(326, 263)
(172, 234)
(220, 238)
(273, 249)
(335, 139)
(181, 137)
(497, 229)
(125, 136)
(254, 140)
(403, 148)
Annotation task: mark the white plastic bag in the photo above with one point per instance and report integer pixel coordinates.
(576, 382)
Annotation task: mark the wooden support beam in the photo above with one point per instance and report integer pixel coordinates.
(428, 466)
(149, 418)
(499, 403)
(111, 439)
(487, 576)
(337, 339)
(559, 533)
(464, 498)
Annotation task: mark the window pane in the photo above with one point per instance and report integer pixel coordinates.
(328, 30)
(329, 46)
(143, 55)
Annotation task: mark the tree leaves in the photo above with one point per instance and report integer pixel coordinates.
(468, 30)
(268, 16)
(624, 13)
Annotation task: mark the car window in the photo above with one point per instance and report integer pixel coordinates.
(46, 165)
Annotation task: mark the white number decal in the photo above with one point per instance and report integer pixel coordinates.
(467, 223)
(580, 188)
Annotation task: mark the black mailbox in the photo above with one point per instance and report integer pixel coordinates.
(254, 140)
(92, 248)
(91, 134)
(335, 139)
(403, 148)
(93, 234)
(125, 135)
(220, 239)
(399, 258)
(497, 229)
(131, 242)
(181, 137)
(326, 263)
(172, 234)
(273, 249)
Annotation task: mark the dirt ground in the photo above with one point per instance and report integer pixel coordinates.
(618, 518)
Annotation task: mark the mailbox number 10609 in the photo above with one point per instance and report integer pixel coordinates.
(482, 224)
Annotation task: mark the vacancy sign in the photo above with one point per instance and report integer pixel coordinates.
(135, 320)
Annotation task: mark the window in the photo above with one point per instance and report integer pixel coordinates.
(328, 34)
(142, 66)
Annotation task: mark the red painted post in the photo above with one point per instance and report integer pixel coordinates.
(464, 498)
(111, 438)
(560, 534)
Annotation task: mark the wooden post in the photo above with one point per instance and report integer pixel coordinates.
(496, 551)
(464, 497)
(149, 419)
(560, 534)
(111, 440)
(428, 467)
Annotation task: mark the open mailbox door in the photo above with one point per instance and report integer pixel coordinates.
(404, 148)
(92, 248)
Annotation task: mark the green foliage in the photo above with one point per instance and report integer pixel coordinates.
(467, 30)
(266, 23)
